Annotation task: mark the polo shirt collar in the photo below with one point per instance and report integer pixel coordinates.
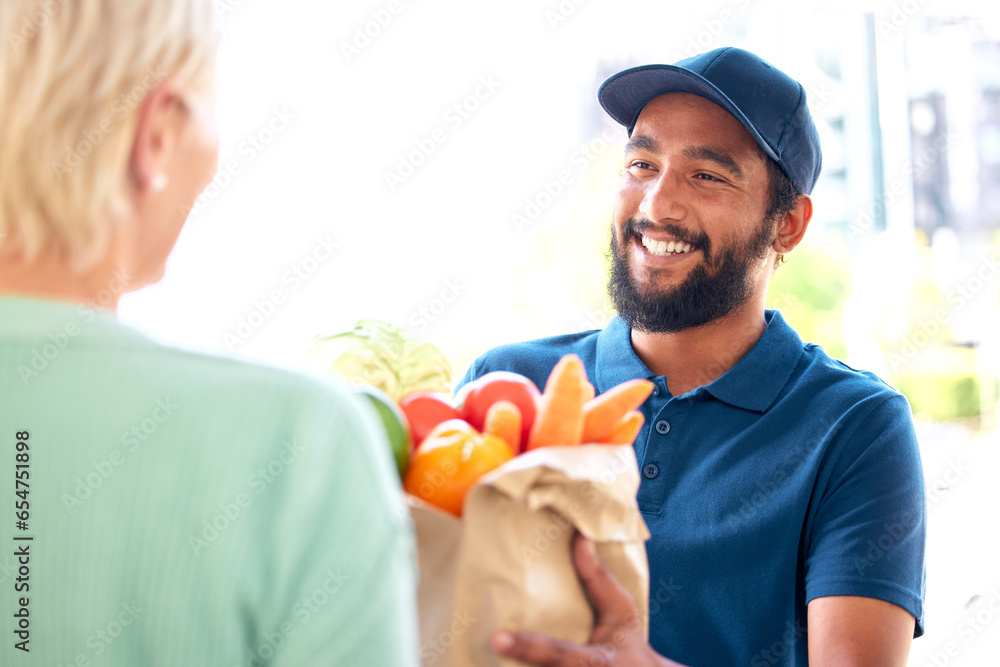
(757, 379)
(616, 360)
(753, 383)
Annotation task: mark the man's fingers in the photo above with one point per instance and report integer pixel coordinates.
(615, 605)
(545, 651)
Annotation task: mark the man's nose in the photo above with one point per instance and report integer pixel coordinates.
(662, 199)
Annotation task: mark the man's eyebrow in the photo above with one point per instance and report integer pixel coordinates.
(723, 160)
(642, 143)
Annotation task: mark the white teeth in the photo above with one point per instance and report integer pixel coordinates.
(664, 248)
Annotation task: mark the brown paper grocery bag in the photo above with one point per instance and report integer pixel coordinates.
(507, 563)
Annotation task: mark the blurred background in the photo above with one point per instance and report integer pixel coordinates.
(445, 166)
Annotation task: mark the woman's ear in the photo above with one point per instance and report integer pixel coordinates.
(793, 225)
(156, 136)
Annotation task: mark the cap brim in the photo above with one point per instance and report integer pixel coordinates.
(625, 94)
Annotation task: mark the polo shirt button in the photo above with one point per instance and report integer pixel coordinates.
(650, 470)
(663, 427)
(656, 391)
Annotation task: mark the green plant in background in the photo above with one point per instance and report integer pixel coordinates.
(811, 290)
(912, 324)
(381, 355)
(947, 393)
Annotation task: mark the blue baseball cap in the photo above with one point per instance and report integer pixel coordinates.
(770, 104)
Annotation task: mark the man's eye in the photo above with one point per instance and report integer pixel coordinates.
(709, 177)
(639, 164)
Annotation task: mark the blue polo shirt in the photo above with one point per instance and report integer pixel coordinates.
(790, 477)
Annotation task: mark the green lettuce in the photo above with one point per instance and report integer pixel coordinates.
(384, 356)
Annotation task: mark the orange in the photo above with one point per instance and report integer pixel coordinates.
(449, 461)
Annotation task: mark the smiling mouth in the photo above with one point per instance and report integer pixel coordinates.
(665, 248)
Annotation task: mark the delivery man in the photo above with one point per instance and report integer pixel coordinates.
(783, 489)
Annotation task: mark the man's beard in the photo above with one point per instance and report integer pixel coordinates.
(713, 289)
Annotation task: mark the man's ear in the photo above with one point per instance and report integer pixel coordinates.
(156, 137)
(792, 226)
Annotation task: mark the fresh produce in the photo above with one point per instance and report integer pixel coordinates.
(626, 431)
(559, 417)
(449, 461)
(394, 423)
(442, 446)
(426, 409)
(383, 356)
(602, 415)
(479, 395)
(503, 420)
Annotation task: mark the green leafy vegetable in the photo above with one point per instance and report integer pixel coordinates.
(383, 356)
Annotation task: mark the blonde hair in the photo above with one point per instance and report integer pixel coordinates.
(73, 75)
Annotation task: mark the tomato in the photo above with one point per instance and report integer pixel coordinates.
(426, 409)
(480, 394)
(450, 461)
(393, 421)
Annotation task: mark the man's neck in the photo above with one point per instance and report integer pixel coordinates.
(694, 357)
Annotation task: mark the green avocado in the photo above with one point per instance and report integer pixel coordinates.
(394, 423)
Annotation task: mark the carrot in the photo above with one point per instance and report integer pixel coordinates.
(627, 430)
(602, 414)
(503, 419)
(559, 418)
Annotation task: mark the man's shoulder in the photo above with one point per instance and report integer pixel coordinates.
(840, 384)
(535, 358)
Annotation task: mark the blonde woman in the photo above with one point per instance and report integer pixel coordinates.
(159, 506)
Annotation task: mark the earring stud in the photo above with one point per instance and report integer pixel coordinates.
(158, 182)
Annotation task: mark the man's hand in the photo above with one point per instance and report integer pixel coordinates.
(617, 638)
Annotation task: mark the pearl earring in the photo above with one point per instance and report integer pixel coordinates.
(158, 182)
